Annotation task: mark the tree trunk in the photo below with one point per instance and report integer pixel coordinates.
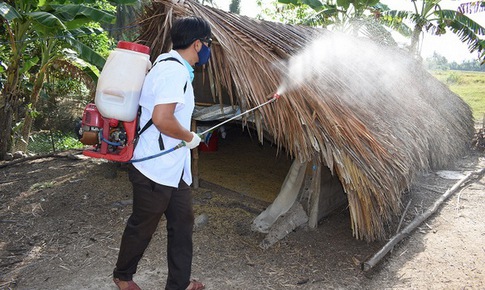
(6, 117)
(9, 101)
(413, 49)
(28, 120)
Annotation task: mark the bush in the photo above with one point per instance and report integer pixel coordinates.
(453, 78)
(46, 142)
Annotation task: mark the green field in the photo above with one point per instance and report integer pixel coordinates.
(468, 85)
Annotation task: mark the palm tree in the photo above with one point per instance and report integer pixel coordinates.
(48, 29)
(235, 6)
(350, 16)
(430, 17)
(354, 17)
(330, 12)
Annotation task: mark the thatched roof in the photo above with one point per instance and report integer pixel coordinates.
(371, 114)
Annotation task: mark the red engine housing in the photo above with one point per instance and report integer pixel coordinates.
(100, 132)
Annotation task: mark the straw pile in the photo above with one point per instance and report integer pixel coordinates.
(370, 114)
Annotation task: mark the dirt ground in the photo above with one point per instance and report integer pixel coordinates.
(61, 221)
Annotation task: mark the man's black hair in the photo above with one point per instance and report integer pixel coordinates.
(187, 30)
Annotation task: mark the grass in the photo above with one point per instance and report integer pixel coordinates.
(470, 86)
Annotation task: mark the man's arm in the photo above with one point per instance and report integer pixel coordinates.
(165, 121)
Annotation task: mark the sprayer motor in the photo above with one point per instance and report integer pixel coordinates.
(92, 129)
(111, 139)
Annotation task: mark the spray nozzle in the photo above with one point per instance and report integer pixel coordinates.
(276, 96)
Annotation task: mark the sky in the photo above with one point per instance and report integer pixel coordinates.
(448, 45)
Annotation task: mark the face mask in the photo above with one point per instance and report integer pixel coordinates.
(204, 54)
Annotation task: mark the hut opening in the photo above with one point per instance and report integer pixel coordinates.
(360, 118)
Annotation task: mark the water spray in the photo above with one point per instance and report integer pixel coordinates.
(272, 99)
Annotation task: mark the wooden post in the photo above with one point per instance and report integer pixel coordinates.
(314, 195)
(321, 194)
(195, 160)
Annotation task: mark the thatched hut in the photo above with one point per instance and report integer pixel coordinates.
(369, 114)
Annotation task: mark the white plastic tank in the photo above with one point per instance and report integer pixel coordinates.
(121, 80)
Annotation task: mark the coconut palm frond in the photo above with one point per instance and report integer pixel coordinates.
(467, 36)
(467, 30)
(450, 17)
(471, 7)
(394, 19)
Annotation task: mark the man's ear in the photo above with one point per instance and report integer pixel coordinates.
(198, 45)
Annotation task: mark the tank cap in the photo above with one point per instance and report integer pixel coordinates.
(134, 47)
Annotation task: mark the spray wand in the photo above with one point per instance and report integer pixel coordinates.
(274, 98)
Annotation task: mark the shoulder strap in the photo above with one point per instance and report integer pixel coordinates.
(147, 125)
(171, 59)
(168, 58)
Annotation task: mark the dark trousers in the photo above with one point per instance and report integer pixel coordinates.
(150, 201)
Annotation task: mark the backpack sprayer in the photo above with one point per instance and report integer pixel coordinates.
(111, 124)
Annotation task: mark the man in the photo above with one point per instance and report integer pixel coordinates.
(161, 185)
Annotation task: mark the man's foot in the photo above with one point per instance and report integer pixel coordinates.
(128, 285)
(195, 285)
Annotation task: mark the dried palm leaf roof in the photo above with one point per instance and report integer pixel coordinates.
(370, 114)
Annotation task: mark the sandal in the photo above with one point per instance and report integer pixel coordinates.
(195, 285)
(126, 285)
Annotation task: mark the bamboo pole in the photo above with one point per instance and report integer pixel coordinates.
(369, 264)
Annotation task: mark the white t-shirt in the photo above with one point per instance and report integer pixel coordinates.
(164, 84)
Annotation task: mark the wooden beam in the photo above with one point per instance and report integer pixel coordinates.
(314, 195)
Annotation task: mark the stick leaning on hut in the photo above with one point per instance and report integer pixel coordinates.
(369, 114)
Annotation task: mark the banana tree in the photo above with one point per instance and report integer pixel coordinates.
(47, 28)
(429, 16)
(17, 29)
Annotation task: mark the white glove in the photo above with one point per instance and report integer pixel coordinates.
(194, 142)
